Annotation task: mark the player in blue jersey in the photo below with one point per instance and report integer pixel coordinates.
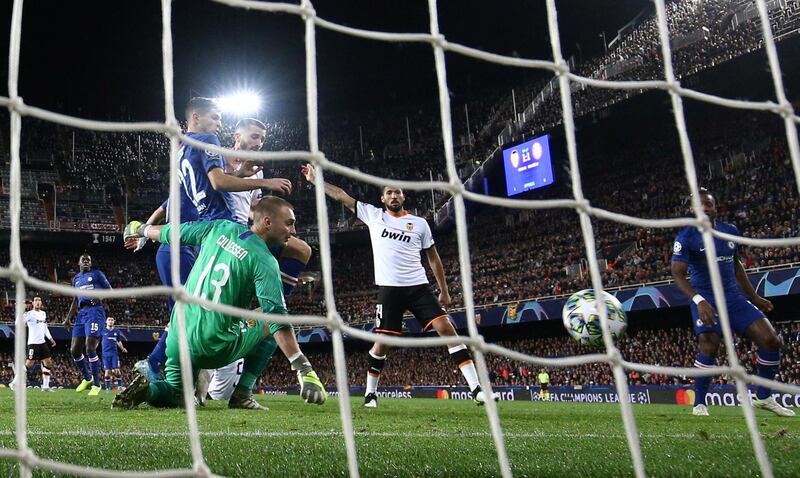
(112, 345)
(202, 172)
(209, 192)
(205, 195)
(90, 317)
(745, 307)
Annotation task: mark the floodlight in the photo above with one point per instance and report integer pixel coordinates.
(241, 103)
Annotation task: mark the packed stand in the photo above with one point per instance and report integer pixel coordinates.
(433, 366)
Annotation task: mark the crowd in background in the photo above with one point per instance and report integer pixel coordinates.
(524, 254)
(515, 255)
(407, 144)
(432, 366)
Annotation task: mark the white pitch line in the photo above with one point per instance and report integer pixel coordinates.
(333, 433)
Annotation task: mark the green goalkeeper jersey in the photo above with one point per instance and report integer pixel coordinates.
(233, 266)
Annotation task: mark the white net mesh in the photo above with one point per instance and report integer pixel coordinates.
(16, 271)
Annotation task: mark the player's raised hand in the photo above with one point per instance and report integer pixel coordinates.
(308, 172)
(132, 231)
(278, 185)
(707, 313)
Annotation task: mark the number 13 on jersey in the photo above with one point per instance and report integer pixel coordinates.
(218, 275)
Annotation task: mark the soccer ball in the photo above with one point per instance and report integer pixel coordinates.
(582, 318)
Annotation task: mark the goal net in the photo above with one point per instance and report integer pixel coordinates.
(16, 272)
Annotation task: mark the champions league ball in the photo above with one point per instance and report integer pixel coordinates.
(582, 318)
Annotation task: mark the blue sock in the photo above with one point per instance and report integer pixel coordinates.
(158, 356)
(701, 384)
(768, 365)
(80, 362)
(291, 269)
(107, 383)
(94, 363)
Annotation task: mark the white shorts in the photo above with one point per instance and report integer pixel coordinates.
(224, 380)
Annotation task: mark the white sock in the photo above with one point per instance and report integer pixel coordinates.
(469, 372)
(45, 377)
(17, 373)
(372, 383)
(372, 377)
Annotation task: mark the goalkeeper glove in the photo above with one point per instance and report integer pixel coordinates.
(311, 388)
(134, 230)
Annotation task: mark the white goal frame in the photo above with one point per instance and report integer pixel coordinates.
(17, 273)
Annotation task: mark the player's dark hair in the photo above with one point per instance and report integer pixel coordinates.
(248, 122)
(383, 189)
(269, 206)
(687, 201)
(37, 297)
(200, 105)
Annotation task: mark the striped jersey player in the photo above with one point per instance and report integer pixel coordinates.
(397, 239)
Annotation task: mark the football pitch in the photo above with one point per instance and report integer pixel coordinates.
(416, 437)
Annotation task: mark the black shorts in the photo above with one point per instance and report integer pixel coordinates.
(545, 386)
(393, 302)
(38, 352)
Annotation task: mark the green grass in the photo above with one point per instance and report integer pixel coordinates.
(418, 437)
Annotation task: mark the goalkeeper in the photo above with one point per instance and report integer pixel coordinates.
(234, 265)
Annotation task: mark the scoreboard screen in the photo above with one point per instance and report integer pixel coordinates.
(527, 165)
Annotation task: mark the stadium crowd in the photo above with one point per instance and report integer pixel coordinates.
(745, 163)
(515, 255)
(431, 366)
(703, 35)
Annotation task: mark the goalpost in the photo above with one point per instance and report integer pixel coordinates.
(27, 458)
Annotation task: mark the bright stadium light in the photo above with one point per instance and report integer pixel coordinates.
(241, 103)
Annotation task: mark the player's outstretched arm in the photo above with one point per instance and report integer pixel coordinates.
(191, 233)
(680, 271)
(335, 192)
(136, 230)
(157, 217)
(229, 183)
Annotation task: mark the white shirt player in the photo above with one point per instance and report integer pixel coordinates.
(224, 380)
(240, 201)
(397, 240)
(37, 327)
